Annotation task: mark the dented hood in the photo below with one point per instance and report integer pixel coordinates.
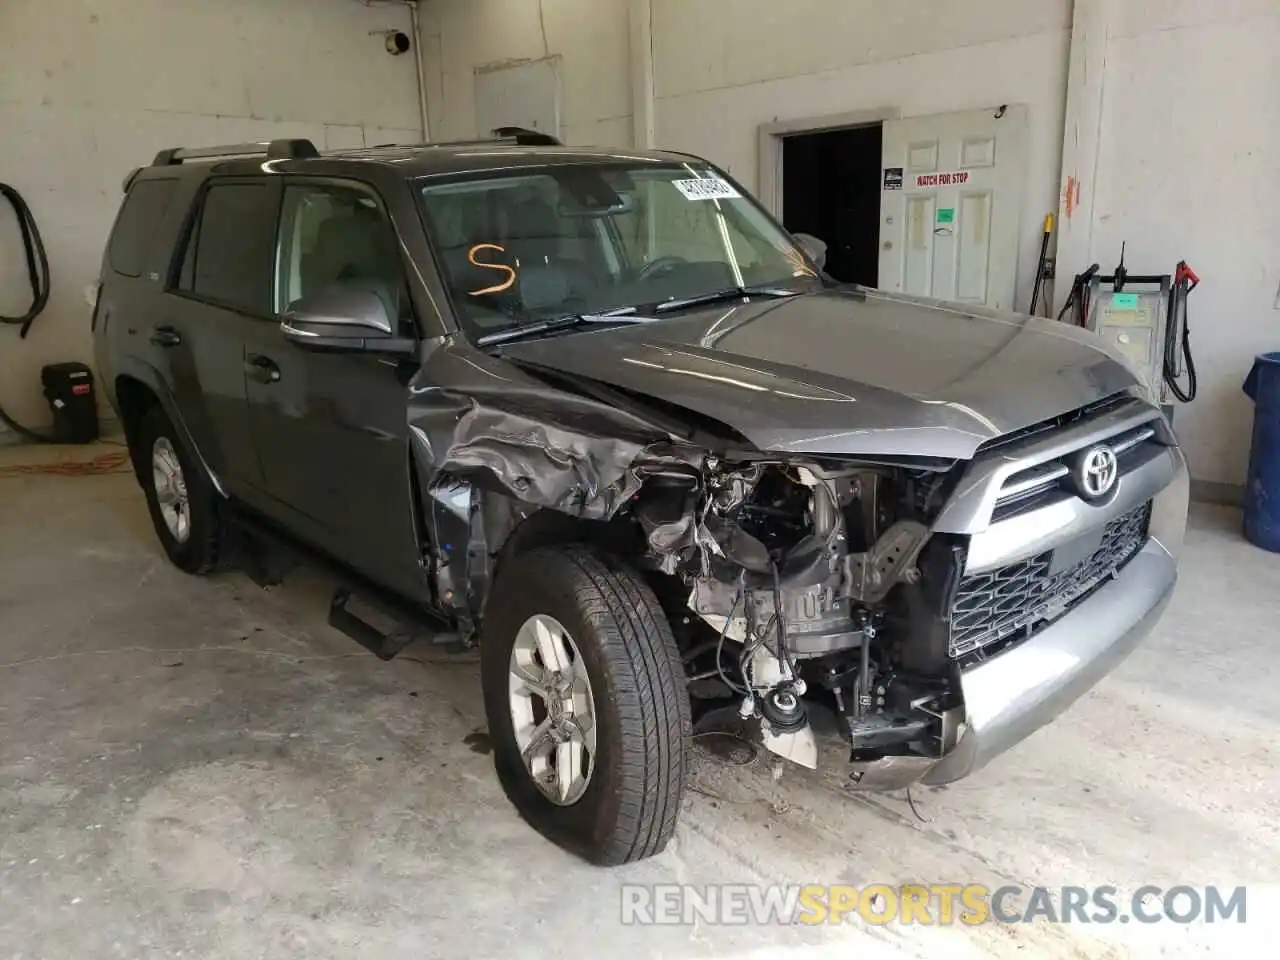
(854, 372)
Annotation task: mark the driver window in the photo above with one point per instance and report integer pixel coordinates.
(335, 235)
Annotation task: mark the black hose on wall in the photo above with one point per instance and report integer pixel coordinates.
(37, 260)
(37, 276)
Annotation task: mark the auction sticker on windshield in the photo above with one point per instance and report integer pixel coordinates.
(709, 188)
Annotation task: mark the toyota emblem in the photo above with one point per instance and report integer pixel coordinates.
(1096, 472)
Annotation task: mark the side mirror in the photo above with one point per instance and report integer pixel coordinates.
(343, 319)
(814, 249)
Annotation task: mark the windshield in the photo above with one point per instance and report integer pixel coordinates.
(532, 244)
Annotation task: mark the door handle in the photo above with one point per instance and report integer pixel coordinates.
(165, 336)
(260, 368)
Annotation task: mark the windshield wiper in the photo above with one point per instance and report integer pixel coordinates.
(730, 293)
(536, 328)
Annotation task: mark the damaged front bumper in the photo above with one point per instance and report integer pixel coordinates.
(1010, 696)
(1013, 695)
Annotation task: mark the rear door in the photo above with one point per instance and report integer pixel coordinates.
(220, 288)
(137, 257)
(951, 204)
(332, 429)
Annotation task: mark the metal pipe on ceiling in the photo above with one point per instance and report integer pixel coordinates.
(416, 41)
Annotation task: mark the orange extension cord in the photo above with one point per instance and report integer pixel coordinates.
(117, 461)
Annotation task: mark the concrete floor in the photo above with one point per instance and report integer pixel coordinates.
(198, 768)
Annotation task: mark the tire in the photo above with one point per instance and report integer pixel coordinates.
(201, 548)
(632, 796)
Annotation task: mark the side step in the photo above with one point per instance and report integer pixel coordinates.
(383, 623)
(383, 641)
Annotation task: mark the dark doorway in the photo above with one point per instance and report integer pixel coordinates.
(831, 189)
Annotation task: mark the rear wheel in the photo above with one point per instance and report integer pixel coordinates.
(587, 709)
(186, 510)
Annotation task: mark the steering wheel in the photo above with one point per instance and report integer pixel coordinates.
(662, 265)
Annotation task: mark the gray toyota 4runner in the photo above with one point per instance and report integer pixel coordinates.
(599, 414)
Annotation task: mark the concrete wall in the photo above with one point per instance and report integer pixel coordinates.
(805, 58)
(92, 88)
(590, 38)
(1187, 155)
(724, 67)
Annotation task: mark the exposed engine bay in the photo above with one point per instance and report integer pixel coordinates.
(815, 587)
(800, 588)
(810, 595)
(807, 593)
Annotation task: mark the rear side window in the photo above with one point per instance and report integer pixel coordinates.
(228, 255)
(143, 212)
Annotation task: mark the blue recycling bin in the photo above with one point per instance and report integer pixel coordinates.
(1262, 493)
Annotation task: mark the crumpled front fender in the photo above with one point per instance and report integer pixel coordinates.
(481, 426)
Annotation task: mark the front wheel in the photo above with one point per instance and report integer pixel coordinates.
(587, 710)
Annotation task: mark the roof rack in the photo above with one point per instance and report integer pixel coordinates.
(302, 149)
(286, 149)
(520, 136)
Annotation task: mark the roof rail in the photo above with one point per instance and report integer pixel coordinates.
(519, 136)
(302, 149)
(285, 149)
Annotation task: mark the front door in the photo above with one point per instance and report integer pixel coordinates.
(331, 429)
(950, 205)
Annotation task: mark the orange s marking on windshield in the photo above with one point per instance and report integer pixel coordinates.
(510, 271)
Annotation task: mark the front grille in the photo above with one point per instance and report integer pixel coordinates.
(1052, 479)
(996, 609)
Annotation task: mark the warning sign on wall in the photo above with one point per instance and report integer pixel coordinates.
(952, 178)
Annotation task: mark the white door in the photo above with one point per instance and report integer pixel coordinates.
(950, 204)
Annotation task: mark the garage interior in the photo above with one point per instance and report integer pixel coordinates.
(831, 190)
(200, 767)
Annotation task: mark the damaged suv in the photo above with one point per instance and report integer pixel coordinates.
(600, 415)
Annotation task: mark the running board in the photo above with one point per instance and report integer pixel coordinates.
(266, 554)
(383, 643)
